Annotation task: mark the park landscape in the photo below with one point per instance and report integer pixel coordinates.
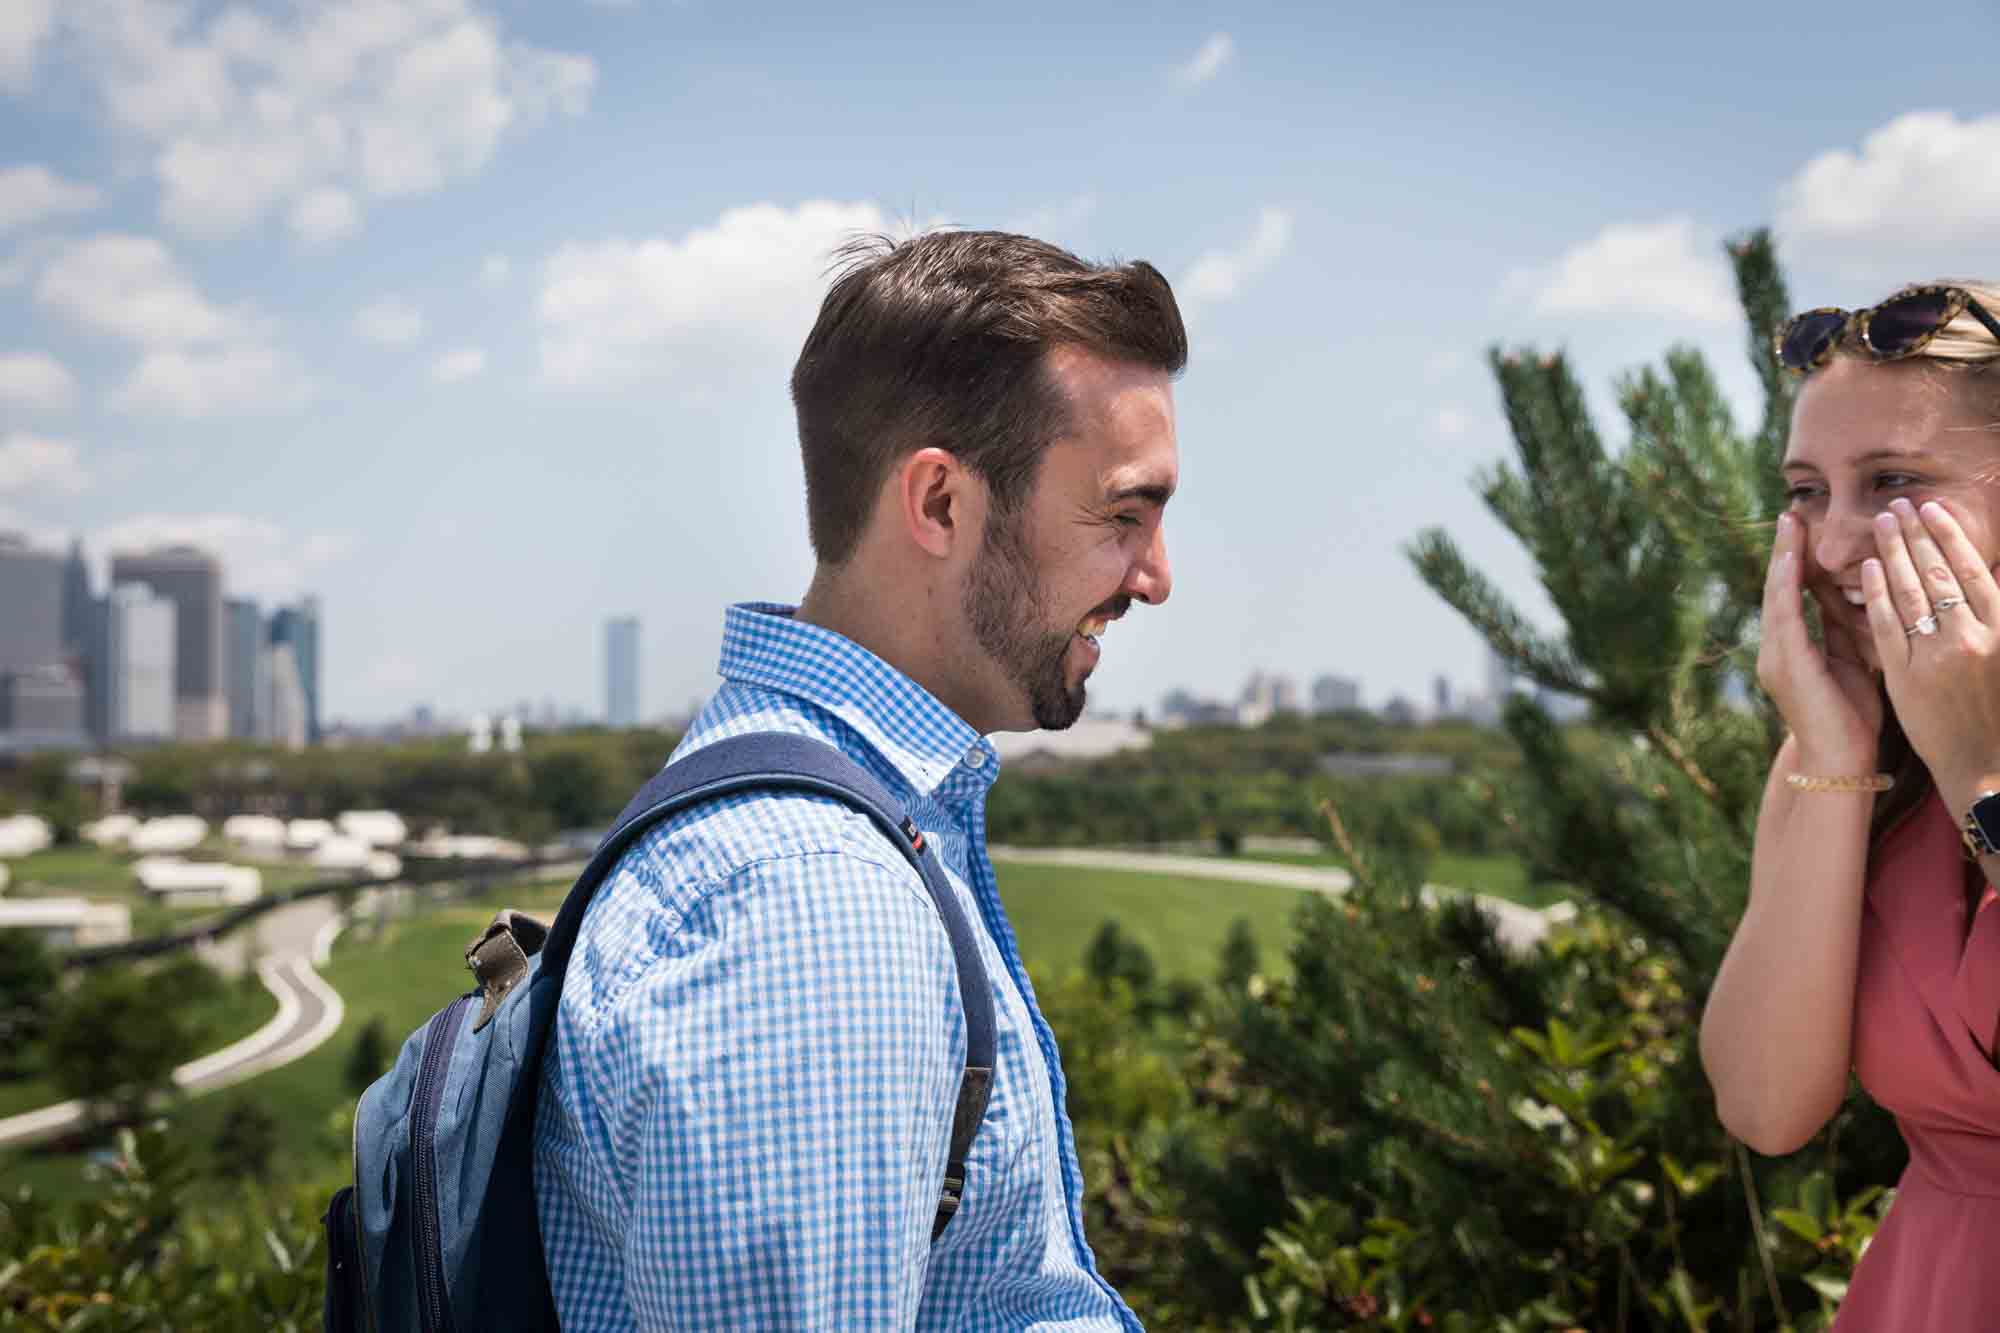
(1294, 1108)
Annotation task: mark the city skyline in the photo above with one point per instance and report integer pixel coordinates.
(164, 653)
(482, 359)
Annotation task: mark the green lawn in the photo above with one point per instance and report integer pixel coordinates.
(408, 969)
(90, 872)
(1497, 876)
(1056, 910)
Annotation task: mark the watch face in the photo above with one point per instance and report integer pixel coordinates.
(1985, 815)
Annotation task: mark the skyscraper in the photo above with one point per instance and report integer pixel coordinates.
(298, 627)
(192, 580)
(31, 605)
(248, 661)
(76, 602)
(141, 639)
(621, 671)
(287, 710)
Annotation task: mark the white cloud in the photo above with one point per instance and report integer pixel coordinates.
(196, 358)
(613, 309)
(1206, 63)
(34, 462)
(1634, 267)
(325, 215)
(390, 322)
(33, 193)
(495, 270)
(200, 382)
(317, 107)
(1055, 220)
(130, 287)
(23, 25)
(461, 363)
(1925, 182)
(1219, 275)
(259, 558)
(35, 380)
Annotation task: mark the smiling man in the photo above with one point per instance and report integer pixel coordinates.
(746, 1106)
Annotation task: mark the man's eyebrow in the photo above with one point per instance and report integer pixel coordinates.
(1153, 492)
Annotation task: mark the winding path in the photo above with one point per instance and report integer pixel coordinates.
(1518, 927)
(309, 1011)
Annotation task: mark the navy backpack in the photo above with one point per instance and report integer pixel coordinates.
(439, 1233)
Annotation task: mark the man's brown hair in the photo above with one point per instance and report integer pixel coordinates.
(942, 340)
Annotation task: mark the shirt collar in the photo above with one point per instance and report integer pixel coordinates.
(764, 644)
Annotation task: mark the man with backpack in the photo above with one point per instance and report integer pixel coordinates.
(761, 1104)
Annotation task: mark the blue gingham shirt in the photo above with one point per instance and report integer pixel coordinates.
(749, 1093)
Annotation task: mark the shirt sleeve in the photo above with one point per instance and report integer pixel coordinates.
(792, 1063)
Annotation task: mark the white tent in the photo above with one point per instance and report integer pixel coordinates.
(68, 922)
(302, 835)
(259, 831)
(377, 828)
(169, 833)
(472, 846)
(110, 831)
(23, 835)
(171, 877)
(384, 865)
(337, 851)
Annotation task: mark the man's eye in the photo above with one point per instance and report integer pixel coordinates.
(1130, 520)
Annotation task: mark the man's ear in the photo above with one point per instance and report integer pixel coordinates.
(937, 500)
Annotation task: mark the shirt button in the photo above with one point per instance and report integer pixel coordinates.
(975, 758)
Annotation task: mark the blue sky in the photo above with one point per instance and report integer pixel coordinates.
(474, 316)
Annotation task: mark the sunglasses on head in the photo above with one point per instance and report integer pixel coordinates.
(1901, 326)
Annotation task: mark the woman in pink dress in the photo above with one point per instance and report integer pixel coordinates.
(1871, 940)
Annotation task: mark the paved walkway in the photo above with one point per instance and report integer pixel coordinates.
(1518, 927)
(309, 1011)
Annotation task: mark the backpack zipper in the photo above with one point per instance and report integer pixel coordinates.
(433, 1293)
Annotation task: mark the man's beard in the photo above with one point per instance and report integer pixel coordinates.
(1006, 608)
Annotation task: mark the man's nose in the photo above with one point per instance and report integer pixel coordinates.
(1151, 578)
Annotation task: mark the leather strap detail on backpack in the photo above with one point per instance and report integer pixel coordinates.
(499, 958)
(973, 1091)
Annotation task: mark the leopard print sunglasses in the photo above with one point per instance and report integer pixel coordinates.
(1901, 326)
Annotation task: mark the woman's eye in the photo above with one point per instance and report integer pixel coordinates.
(1895, 481)
(1799, 495)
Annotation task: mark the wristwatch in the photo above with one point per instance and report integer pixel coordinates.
(1981, 827)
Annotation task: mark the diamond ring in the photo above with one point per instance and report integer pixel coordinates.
(1925, 625)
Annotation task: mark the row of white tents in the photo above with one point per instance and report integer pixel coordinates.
(374, 829)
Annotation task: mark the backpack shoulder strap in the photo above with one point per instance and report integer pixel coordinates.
(776, 761)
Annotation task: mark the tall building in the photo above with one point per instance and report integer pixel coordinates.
(44, 705)
(298, 627)
(621, 671)
(77, 601)
(192, 580)
(249, 660)
(142, 639)
(31, 605)
(287, 710)
(1335, 694)
(83, 637)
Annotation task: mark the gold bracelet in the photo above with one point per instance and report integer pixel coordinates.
(1861, 782)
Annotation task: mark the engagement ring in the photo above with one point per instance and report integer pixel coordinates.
(1924, 625)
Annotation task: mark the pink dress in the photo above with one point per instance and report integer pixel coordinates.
(1926, 1010)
